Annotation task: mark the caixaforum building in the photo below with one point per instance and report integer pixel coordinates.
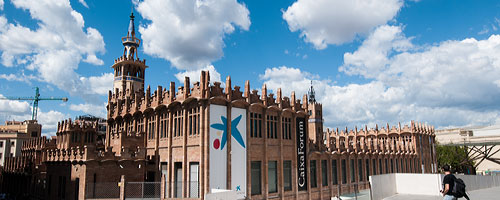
(200, 137)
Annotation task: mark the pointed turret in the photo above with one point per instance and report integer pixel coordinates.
(129, 70)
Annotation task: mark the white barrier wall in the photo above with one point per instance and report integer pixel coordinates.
(387, 185)
(418, 184)
(383, 186)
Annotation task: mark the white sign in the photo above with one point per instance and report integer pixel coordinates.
(218, 147)
(239, 151)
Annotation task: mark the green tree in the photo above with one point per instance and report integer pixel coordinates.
(456, 157)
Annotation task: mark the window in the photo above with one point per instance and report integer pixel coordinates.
(324, 173)
(178, 123)
(360, 170)
(392, 165)
(287, 175)
(374, 165)
(397, 165)
(272, 129)
(406, 164)
(151, 126)
(402, 166)
(386, 166)
(256, 125)
(163, 124)
(194, 121)
(380, 166)
(314, 182)
(193, 180)
(130, 125)
(255, 177)
(352, 171)
(334, 172)
(367, 169)
(344, 173)
(177, 179)
(140, 125)
(272, 177)
(286, 128)
(1, 144)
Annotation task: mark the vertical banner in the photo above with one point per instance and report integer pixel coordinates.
(239, 151)
(301, 154)
(218, 147)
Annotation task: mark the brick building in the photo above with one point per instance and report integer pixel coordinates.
(200, 136)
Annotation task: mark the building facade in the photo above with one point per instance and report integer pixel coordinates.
(202, 137)
(199, 136)
(12, 136)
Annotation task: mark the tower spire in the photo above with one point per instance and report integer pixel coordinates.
(131, 26)
(312, 94)
(130, 42)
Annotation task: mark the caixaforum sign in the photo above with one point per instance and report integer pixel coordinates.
(301, 153)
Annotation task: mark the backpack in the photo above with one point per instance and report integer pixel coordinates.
(459, 188)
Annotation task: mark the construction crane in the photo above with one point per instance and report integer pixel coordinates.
(35, 100)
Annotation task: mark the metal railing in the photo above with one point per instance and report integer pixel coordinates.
(102, 190)
(143, 190)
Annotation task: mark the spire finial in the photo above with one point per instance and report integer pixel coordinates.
(312, 94)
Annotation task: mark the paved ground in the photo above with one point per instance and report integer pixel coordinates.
(484, 194)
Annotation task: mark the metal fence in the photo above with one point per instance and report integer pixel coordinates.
(143, 190)
(103, 190)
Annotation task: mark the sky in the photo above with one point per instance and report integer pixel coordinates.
(370, 61)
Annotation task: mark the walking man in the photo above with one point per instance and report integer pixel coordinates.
(448, 183)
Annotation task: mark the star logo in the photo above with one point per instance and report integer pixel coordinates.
(223, 127)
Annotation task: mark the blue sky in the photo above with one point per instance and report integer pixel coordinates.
(386, 61)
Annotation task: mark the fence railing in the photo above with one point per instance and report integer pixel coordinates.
(102, 190)
(142, 190)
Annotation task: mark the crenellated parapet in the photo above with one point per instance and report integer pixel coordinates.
(122, 103)
(80, 132)
(384, 140)
(90, 153)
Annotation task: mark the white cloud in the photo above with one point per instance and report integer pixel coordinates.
(49, 121)
(18, 77)
(194, 75)
(55, 48)
(13, 107)
(324, 22)
(1, 4)
(454, 83)
(95, 110)
(83, 3)
(98, 84)
(190, 33)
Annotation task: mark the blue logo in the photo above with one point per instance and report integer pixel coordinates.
(235, 132)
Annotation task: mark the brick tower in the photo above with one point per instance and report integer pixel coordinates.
(129, 69)
(315, 111)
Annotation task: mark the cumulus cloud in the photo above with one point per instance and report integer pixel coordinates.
(453, 83)
(1, 4)
(98, 84)
(194, 75)
(95, 110)
(55, 48)
(18, 77)
(190, 33)
(324, 22)
(13, 107)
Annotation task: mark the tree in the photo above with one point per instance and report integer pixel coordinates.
(456, 157)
